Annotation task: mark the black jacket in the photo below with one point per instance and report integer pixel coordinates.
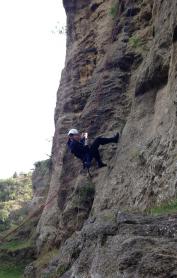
(80, 151)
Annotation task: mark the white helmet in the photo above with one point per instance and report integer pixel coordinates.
(73, 131)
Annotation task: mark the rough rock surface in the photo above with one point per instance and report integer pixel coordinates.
(40, 181)
(119, 245)
(120, 75)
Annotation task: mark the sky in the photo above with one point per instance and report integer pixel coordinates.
(32, 54)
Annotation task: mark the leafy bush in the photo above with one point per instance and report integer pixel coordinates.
(4, 214)
(14, 193)
(11, 189)
(43, 166)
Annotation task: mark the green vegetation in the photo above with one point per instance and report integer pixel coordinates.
(4, 214)
(86, 191)
(84, 194)
(62, 269)
(15, 245)
(164, 208)
(135, 42)
(113, 11)
(43, 166)
(9, 267)
(12, 257)
(11, 270)
(14, 194)
(15, 188)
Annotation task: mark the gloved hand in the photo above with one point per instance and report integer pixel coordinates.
(86, 139)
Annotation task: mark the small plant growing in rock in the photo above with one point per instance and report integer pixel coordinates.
(113, 11)
(62, 269)
(86, 191)
(135, 42)
(84, 194)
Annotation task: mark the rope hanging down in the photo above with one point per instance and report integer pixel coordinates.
(33, 214)
(44, 205)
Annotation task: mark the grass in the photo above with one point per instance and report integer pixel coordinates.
(164, 208)
(9, 266)
(15, 245)
(11, 270)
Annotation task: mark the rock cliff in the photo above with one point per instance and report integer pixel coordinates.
(120, 75)
(40, 182)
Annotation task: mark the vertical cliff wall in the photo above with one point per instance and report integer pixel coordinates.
(40, 181)
(119, 75)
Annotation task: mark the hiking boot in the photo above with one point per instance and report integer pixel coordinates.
(116, 138)
(101, 165)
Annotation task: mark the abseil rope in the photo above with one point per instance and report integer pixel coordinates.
(33, 214)
(53, 197)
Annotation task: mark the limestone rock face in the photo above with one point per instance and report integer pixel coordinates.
(119, 75)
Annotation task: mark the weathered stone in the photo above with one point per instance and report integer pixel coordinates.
(128, 252)
(40, 182)
(120, 75)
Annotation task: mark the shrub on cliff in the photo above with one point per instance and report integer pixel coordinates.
(15, 194)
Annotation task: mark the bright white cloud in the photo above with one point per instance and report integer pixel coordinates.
(31, 60)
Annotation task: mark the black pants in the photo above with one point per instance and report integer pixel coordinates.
(95, 145)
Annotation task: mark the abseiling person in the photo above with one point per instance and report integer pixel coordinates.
(78, 145)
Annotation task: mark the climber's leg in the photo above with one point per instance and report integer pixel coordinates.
(101, 141)
(96, 154)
